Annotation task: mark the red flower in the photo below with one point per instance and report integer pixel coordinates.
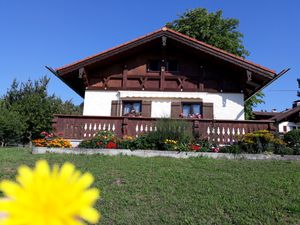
(111, 145)
(195, 147)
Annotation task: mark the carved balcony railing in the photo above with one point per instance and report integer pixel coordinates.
(219, 131)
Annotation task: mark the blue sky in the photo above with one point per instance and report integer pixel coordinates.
(54, 33)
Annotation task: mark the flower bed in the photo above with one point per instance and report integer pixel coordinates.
(51, 141)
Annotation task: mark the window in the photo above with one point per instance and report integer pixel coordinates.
(191, 110)
(172, 65)
(154, 65)
(132, 108)
(284, 128)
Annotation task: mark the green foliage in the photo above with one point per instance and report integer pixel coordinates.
(251, 103)
(234, 148)
(11, 126)
(284, 151)
(212, 29)
(103, 139)
(167, 129)
(292, 138)
(35, 108)
(258, 142)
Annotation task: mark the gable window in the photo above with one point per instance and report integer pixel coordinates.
(154, 65)
(191, 110)
(172, 65)
(132, 108)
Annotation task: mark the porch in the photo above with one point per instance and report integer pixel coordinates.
(219, 131)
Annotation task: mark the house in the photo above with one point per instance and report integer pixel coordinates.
(164, 74)
(286, 120)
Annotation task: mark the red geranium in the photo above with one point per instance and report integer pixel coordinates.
(111, 145)
(195, 147)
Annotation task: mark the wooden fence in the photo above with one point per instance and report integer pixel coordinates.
(219, 131)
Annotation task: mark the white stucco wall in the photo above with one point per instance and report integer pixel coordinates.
(226, 105)
(161, 108)
(289, 125)
(98, 103)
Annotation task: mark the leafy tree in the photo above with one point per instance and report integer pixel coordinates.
(220, 32)
(11, 126)
(212, 29)
(251, 103)
(31, 101)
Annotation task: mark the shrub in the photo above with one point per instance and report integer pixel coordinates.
(126, 143)
(260, 141)
(292, 138)
(166, 129)
(103, 139)
(235, 149)
(284, 151)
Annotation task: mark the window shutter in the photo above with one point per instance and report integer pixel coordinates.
(175, 109)
(146, 108)
(115, 108)
(208, 110)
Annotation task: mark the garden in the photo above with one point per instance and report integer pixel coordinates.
(177, 136)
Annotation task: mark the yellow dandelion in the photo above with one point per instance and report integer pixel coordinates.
(41, 196)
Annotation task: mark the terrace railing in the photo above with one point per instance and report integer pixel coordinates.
(219, 131)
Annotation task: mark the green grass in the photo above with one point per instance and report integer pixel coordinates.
(182, 191)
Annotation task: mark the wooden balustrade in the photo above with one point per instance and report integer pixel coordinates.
(219, 131)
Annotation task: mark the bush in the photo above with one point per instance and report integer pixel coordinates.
(235, 149)
(292, 138)
(284, 151)
(103, 139)
(172, 135)
(260, 141)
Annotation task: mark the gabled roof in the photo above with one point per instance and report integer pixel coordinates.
(172, 34)
(67, 72)
(286, 114)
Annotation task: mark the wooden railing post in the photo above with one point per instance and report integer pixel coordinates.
(125, 126)
(196, 128)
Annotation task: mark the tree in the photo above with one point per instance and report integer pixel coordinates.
(31, 101)
(212, 29)
(220, 32)
(11, 126)
(251, 103)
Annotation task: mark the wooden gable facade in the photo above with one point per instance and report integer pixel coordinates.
(179, 63)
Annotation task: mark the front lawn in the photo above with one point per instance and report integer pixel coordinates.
(182, 191)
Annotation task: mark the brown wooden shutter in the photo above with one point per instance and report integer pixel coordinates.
(176, 109)
(146, 108)
(115, 108)
(208, 110)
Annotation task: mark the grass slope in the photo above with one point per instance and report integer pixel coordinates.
(183, 191)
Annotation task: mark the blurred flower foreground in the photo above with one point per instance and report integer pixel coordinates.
(45, 196)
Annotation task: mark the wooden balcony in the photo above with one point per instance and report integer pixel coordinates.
(219, 131)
